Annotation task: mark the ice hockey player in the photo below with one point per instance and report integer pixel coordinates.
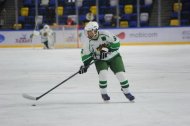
(47, 36)
(102, 47)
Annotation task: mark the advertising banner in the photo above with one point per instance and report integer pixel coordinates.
(177, 34)
(17, 39)
(167, 35)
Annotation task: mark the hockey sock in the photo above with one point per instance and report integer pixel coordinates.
(103, 81)
(103, 90)
(46, 44)
(123, 81)
(125, 90)
(102, 84)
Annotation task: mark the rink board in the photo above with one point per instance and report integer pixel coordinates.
(129, 36)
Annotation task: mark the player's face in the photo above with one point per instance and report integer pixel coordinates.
(90, 34)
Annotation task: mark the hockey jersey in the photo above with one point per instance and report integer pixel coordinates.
(48, 36)
(91, 49)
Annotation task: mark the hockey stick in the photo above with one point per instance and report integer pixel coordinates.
(35, 27)
(32, 35)
(37, 98)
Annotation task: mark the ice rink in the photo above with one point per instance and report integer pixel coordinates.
(159, 78)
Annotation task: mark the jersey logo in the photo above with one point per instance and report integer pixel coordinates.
(103, 38)
(99, 48)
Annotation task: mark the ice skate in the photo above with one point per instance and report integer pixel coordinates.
(129, 96)
(105, 97)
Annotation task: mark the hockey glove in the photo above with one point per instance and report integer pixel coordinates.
(103, 53)
(83, 69)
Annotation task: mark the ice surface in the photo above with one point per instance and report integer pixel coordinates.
(159, 78)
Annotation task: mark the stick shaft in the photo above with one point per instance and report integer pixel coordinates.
(37, 98)
(59, 84)
(56, 86)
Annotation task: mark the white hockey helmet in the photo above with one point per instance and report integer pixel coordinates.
(91, 27)
(46, 26)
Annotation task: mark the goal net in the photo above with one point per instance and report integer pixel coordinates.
(66, 36)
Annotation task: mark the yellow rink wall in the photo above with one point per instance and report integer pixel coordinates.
(128, 37)
(75, 46)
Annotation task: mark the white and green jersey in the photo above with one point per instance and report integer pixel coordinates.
(49, 36)
(91, 49)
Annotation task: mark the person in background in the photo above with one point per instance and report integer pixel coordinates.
(70, 21)
(89, 16)
(47, 36)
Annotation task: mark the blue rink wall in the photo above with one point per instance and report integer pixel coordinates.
(128, 36)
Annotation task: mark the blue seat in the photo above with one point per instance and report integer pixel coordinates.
(186, 6)
(28, 26)
(134, 16)
(44, 21)
(82, 17)
(104, 2)
(102, 10)
(32, 11)
(42, 11)
(174, 15)
(133, 23)
(183, 1)
(28, 3)
(124, 2)
(101, 17)
(142, 2)
(144, 23)
(61, 2)
(62, 19)
(52, 3)
(146, 8)
(69, 10)
(113, 10)
(86, 3)
(31, 19)
(92, 2)
(84, 10)
(108, 10)
(185, 22)
(107, 24)
(126, 17)
(21, 19)
(185, 15)
(121, 9)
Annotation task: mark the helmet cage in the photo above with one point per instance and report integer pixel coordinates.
(91, 29)
(92, 34)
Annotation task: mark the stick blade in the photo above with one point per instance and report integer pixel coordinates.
(28, 97)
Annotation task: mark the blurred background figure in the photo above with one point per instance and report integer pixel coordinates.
(70, 21)
(89, 16)
(47, 36)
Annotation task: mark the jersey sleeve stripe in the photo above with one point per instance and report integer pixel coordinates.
(86, 57)
(115, 45)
